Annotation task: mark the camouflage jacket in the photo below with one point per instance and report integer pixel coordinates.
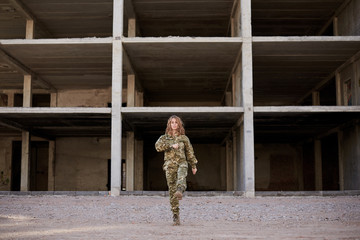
(172, 156)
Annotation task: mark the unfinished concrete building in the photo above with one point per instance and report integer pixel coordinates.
(269, 92)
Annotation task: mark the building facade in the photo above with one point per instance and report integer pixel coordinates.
(269, 92)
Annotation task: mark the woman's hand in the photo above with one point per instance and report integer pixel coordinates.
(176, 146)
(194, 170)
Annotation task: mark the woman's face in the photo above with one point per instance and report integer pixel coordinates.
(174, 124)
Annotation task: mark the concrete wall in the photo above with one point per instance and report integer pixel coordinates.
(81, 164)
(348, 20)
(84, 98)
(5, 163)
(278, 167)
(210, 175)
(351, 157)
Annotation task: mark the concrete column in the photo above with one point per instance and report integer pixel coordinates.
(338, 89)
(247, 133)
(51, 171)
(236, 83)
(139, 101)
(29, 29)
(336, 26)
(25, 162)
(315, 98)
(27, 94)
(53, 100)
(228, 99)
(116, 94)
(11, 97)
(139, 165)
(229, 167)
(131, 90)
(130, 161)
(132, 27)
(318, 165)
(341, 160)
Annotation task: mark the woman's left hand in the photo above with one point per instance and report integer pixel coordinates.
(194, 170)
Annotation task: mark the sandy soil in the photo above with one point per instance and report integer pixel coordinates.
(149, 217)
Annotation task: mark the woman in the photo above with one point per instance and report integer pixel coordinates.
(178, 152)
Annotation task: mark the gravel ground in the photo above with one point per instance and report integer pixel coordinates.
(149, 217)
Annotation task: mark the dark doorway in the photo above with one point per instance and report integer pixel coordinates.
(330, 162)
(39, 165)
(16, 166)
(38, 100)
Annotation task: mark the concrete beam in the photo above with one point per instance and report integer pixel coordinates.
(304, 109)
(51, 167)
(132, 27)
(29, 29)
(156, 110)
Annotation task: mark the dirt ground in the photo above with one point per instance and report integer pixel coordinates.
(149, 217)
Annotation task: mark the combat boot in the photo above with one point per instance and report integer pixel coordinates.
(176, 220)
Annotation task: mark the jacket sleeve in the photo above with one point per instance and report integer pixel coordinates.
(162, 145)
(189, 151)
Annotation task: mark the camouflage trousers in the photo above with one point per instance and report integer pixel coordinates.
(176, 179)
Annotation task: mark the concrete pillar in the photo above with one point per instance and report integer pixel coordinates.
(247, 133)
(336, 26)
(130, 161)
(132, 27)
(131, 90)
(51, 171)
(318, 165)
(11, 97)
(139, 165)
(25, 162)
(29, 29)
(116, 94)
(315, 98)
(236, 84)
(341, 160)
(229, 167)
(235, 160)
(338, 89)
(53, 100)
(27, 94)
(228, 99)
(139, 101)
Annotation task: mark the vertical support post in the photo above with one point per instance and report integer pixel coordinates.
(27, 93)
(228, 99)
(315, 98)
(29, 29)
(116, 130)
(336, 26)
(132, 27)
(11, 97)
(341, 160)
(25, 162)
(53, 100)
(51, 171)
(338, 89)
(318, 165)
(235, 161)
(139, 164)
(247, 136)
(130, 166)
(131, 90)
(229, 167)
(139, 102)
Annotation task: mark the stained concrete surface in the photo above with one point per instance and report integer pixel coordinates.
(149, 217)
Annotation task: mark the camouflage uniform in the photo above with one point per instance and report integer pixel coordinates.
(176, 164)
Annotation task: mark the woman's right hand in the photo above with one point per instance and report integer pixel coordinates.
(176, 146)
